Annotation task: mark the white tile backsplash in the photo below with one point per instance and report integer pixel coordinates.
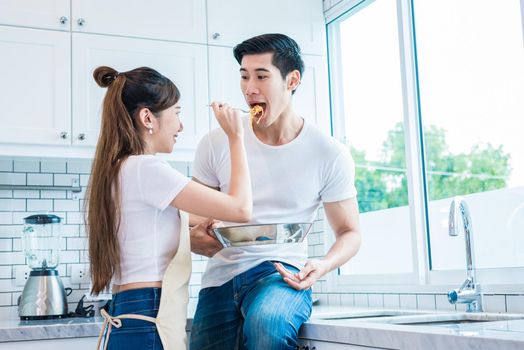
(442, 303)
(392, 301)
(6, 244)
(26, 166)
(79, 167)
(6, 165)
(67, 205)
(376, 300)
(15, 205)
(43, 205)
(361, 300)
(334, 299)
(6, 217)
(515, 303)
(347, 299)
(26, 194)
(5, 271)
(65, 179)
(40, 179)
(408, 301)
(13, 178)
(12, 204)
(6, 194)
(53, 166)
(5, 299)
(426, 301)
(494, 303)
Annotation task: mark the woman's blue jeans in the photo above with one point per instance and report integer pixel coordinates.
(255, 310)
(135, 334)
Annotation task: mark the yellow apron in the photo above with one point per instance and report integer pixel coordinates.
(172, 313)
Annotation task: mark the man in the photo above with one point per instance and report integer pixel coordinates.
(257, 297)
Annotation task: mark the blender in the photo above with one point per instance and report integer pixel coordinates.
(44, 295)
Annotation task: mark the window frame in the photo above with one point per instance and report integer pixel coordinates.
(422, 279)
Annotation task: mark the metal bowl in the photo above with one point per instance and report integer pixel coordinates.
(238, 236)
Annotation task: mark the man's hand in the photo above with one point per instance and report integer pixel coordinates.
(305, 278)
(203, 240)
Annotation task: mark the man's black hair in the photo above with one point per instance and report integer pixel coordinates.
(286, 52)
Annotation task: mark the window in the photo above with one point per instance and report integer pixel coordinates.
(471, 78)
(453, 93)
(372, 105)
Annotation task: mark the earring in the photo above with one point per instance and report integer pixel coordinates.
(150, 130)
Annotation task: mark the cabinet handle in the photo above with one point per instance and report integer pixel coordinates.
(81, 22)
(63, 135)
(215, 36)
(82, 136)
(63, 20)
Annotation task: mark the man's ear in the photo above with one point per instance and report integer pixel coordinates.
(293, 80)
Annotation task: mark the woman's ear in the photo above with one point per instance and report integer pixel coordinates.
(293, 80)
(145, 118)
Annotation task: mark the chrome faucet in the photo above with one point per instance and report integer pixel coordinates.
(469, 292)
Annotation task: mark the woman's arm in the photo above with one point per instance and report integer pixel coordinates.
(237, 204)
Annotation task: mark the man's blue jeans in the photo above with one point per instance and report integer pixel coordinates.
(256, 310)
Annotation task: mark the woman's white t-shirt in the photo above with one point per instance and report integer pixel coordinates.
(149, 229)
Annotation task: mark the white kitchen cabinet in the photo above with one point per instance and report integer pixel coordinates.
(175, 20)
(311, 100)
(48, 14)
(224, 80)
(232, 21)
(184, 64)
(35, 93)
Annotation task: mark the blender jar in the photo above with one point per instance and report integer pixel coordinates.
(41, 241)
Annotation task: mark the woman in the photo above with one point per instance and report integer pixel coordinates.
(134, 198)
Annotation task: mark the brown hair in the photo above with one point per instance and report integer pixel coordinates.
(119, 138)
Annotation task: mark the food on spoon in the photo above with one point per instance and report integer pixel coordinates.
(256, 110)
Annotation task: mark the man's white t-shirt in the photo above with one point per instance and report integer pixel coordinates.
(289, 183)
(149, 227)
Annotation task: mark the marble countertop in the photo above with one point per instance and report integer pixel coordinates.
(505, 335)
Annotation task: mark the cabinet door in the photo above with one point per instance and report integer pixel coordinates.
(224, 80)
(232, 21)
(175, 20)
(311, 100)
(184, 64)
(35, 93)
(49, 14)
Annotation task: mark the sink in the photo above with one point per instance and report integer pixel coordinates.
(357, 314)
(448, 318)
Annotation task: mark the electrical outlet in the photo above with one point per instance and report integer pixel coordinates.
(21, 275)
(80, 273)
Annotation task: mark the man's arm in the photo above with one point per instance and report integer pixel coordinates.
(203, 242)
(344, 221)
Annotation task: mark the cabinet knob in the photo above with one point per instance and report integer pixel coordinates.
(63, 20)
(81, 22)
(82, 136)
(215, 36)
(63, 135)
